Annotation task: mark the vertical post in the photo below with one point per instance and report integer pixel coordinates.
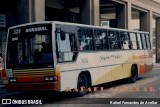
(89, 12)
(121, 16)
(150, 21)
(85, 13)
(95, 12)
(129, 15)
(158, 40)
(23, 11)
(144, 22)
(150, 26)
(38, 10)
(30, 11)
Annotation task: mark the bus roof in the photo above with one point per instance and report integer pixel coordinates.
(76, 24)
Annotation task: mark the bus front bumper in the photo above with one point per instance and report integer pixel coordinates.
(34, 86)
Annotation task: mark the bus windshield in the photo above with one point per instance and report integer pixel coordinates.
(30, 47)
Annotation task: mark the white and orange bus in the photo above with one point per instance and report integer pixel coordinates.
(55, 55)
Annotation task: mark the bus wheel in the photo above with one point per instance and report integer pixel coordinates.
(134, 74)
(82, 85)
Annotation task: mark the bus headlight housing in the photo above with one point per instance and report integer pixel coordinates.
(50, 78)
(12, 80)
(46, 78)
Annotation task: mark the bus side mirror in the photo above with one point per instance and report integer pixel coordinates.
(62, 35)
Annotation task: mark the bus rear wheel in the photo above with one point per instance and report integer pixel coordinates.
(82, 85)
(134, 74)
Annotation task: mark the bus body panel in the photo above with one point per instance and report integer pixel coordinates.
(103, 67)
(105, 70)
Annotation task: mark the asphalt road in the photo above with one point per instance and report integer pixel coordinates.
(114, 94)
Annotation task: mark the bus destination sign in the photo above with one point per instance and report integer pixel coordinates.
(31, 29)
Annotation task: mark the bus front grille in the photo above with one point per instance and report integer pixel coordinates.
(34, 72)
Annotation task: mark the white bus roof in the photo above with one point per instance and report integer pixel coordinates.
(76, 24)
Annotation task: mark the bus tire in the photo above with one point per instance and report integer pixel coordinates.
(82, 85)
(134, 74)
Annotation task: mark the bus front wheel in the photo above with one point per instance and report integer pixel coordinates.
(134, 74)
(82, 85)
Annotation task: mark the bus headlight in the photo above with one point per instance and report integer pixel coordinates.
(49, 78)
(12, 80)
(46, 78)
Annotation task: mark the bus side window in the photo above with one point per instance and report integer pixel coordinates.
(101, 39)
(125, 40)
(133, 40)
(86, 39)
(148, 41)
(130, 45)
(143, 41)
(139, 40)
(114, 40)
